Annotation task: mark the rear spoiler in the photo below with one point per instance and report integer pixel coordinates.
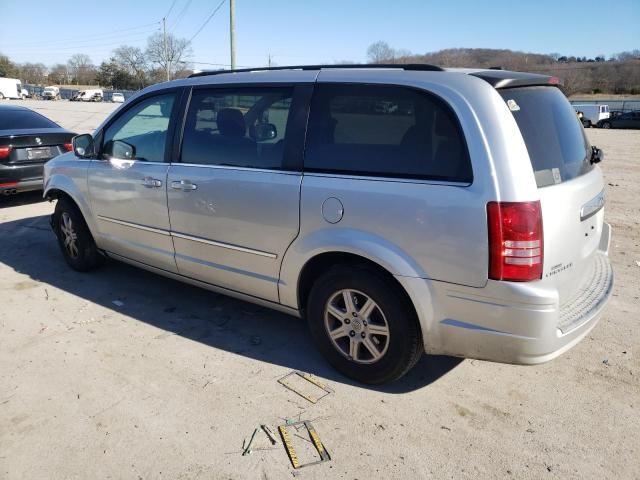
(508, 79)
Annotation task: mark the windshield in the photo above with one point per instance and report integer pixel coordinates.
(555, 139)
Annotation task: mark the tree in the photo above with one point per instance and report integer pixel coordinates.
(111, 74)
(169, 54)
(380, 52)
(34, 73)
(81, 68)
(7, 67)
(134, 62)
(59, 74)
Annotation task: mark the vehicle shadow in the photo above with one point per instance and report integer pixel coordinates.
(29, 247)
(19, 199)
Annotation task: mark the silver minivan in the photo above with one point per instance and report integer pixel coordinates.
(397, 208)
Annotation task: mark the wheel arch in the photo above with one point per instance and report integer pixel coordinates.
(321, 263)
(61, 187)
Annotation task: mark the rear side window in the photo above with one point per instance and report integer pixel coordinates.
(24, 119)
(240, 127)
(555, 139)
(385, 131)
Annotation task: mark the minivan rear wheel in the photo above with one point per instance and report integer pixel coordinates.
(363, 324)
(74, 238)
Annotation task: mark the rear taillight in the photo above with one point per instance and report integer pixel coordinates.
(68, 146)
(515, 241)
(5, 152)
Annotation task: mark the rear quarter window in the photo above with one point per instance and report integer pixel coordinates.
(385, 131)
(555, 139)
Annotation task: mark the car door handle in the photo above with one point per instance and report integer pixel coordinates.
(184, 185)
(151, 182)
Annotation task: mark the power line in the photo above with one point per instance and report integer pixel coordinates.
(99, 36)
(215, 10)
(171, 8)
(180, 15)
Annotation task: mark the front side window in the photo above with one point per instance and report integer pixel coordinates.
(385, 131)
(140, 133)
(241, 127)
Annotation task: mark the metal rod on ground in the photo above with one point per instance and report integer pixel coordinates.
(232, 32)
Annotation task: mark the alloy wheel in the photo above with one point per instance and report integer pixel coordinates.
(69, 235)
(357, 326)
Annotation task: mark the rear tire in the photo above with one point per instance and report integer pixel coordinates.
(74, 238)
(375, 337)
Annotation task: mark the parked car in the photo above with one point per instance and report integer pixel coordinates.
(27, 141)
(25, 93)
(51, 93)
(469, 222)
(10, 88)
(624, 120)
(95, 95)
(117, 97)
(592, 114)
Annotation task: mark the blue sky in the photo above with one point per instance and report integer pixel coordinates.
(314, 31)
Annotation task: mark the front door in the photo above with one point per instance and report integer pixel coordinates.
(127, 184)
(234, 196)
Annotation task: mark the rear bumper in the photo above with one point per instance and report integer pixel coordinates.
(521, 323)
(20, 178)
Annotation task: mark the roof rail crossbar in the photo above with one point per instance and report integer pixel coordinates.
(408, 66)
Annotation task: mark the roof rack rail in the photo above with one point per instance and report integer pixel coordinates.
(408, 66)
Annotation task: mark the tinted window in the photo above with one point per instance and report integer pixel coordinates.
(555, 139)
(144, 127)
(237, 127)
(385, 131)
(20, 119)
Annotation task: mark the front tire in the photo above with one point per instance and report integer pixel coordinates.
(363, 324)
(606, 125)
(74, 238)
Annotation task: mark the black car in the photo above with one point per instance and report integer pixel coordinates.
(625, 120)
(27, 141)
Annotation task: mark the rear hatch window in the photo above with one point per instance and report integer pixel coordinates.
(558, 148)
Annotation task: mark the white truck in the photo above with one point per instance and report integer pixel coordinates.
(592, 114)
(51, 93)
(11, 88)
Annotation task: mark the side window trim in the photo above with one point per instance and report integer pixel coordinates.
(177, 104)
(296, 124)
(386, 175)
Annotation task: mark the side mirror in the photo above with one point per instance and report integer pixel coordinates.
(265, 131)
(84, 146)
(597, 155)
(122, 150)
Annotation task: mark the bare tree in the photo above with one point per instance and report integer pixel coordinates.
(81, 68)
(168, 53)
(34, 73)
(380, 52)
(134, 61)
(59, 74)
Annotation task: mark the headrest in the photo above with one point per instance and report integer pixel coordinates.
(231, 122)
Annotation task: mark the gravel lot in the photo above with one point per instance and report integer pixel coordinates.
(123, 374)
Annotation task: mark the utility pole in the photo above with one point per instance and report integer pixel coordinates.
(232, 31)
(166, 54)
(269, 60)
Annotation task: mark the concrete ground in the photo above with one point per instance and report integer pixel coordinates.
(123, 374)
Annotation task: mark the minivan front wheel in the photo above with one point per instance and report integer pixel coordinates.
(74, 238)
(364, 325)
(605, 125)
